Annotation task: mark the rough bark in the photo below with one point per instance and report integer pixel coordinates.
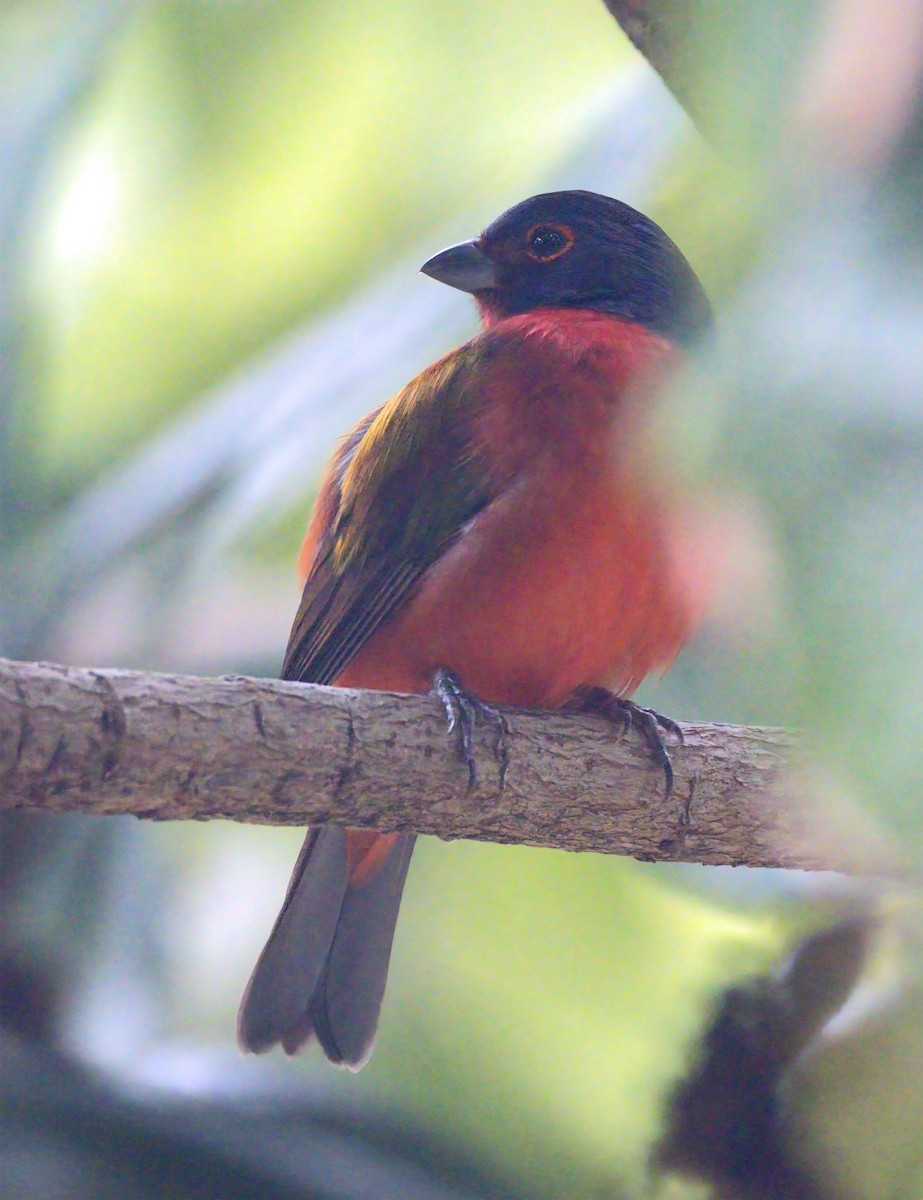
(179, 747)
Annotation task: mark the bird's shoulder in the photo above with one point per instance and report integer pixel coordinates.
(399, 488)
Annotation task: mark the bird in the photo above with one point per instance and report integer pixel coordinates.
(491, 533)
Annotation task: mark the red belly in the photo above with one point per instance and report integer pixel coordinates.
(528, 604)
(567, 578)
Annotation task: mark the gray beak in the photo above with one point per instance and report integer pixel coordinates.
(464, 266)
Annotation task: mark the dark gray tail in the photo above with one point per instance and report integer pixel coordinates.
(323, 970)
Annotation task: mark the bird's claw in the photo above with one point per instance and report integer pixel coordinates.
(628, 715)
(463, 711)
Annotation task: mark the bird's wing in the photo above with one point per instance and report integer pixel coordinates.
(399, 490)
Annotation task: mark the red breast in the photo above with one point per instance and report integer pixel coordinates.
(567, 578)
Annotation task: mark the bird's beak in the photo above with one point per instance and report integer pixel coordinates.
(464, 266)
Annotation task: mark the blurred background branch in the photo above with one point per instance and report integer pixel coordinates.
(659, 30)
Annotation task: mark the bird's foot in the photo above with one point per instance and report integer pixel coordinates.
(463, 712)
(627, 715)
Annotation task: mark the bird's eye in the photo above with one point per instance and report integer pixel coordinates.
(545, 242)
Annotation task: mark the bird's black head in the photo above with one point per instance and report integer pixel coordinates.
(579, 250)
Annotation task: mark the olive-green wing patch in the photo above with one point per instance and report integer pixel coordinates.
(407, 487)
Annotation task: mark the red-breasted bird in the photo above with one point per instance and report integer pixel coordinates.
(487, 531)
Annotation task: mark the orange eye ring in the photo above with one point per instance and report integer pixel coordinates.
(560, 238)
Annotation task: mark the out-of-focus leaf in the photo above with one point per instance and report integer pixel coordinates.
(725, 1122)
(238, 172)
(49, 57)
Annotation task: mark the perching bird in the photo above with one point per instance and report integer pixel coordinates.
(488, 531)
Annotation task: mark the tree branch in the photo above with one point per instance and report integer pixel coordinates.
(660, 30)
(179, 747)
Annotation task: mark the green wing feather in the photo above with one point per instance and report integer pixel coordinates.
(400, 490)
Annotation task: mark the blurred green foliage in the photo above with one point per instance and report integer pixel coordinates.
(241, 165)
(189, 180)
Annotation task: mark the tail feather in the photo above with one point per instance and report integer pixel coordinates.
(324, 967)
(347, 999)
(287, 971)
